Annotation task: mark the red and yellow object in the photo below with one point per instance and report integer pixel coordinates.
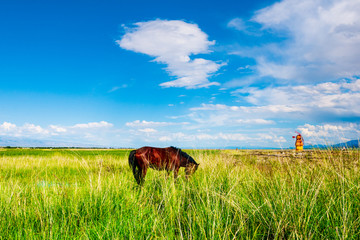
(299, 144)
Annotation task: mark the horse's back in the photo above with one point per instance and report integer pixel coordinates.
(153, 150)
(158, 158)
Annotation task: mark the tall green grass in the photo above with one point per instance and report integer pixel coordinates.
(91, 194)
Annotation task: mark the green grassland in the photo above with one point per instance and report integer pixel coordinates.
(235, 194)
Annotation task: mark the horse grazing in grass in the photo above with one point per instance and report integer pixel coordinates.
(169, 159)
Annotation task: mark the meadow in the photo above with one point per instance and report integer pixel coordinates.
(235, 194)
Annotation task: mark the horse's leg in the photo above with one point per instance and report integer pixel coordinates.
(143, 174)
(137, 175)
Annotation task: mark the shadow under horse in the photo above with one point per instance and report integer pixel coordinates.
(169, 159)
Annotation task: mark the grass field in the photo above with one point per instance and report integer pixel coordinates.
(235, 194)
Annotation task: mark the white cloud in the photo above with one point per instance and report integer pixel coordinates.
(223, 139)
(143, 134)
(173, 43)
(279, 71)
(327, 130)
(6, 127)
(180, 136)
(280, 139)
(255, 121)
(147, 130)
(244, 26)
(100, 124)
(249, 109)
(57, 129)
(144, 123)
(29, 130)
(330, 133)
(215, 107)
(238, 24)
(232, 136)
(284, 105)
(204, 136)
(165, 139)
(316, 40)
(340, 98)
(225, 118)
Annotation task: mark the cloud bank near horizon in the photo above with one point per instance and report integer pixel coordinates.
(92, 132)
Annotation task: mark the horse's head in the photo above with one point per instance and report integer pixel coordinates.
(186, 161)
(191, 169)
(191, 165)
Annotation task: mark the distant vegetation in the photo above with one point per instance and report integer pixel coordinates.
(235, 194)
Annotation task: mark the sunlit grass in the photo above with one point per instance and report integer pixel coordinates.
(249, 194)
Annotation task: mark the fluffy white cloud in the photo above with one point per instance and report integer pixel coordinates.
(29, 128)
(7, 127)
(282, 106)
(10, 129)
(340, 98)
(330, 133)
(322, 40)
(173, 43)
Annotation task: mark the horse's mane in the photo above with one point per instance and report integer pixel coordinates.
(184, 154)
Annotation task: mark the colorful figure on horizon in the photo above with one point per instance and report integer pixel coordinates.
(299, 144)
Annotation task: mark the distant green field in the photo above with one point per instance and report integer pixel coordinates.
(235, 194)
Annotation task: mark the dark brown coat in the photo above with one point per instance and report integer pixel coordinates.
(169, 159)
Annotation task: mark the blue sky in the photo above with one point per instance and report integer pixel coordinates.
(185, 73)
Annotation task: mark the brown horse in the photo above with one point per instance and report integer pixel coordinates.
(169, 159)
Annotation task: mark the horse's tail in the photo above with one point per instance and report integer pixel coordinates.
(132, 159)
(133, 165)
